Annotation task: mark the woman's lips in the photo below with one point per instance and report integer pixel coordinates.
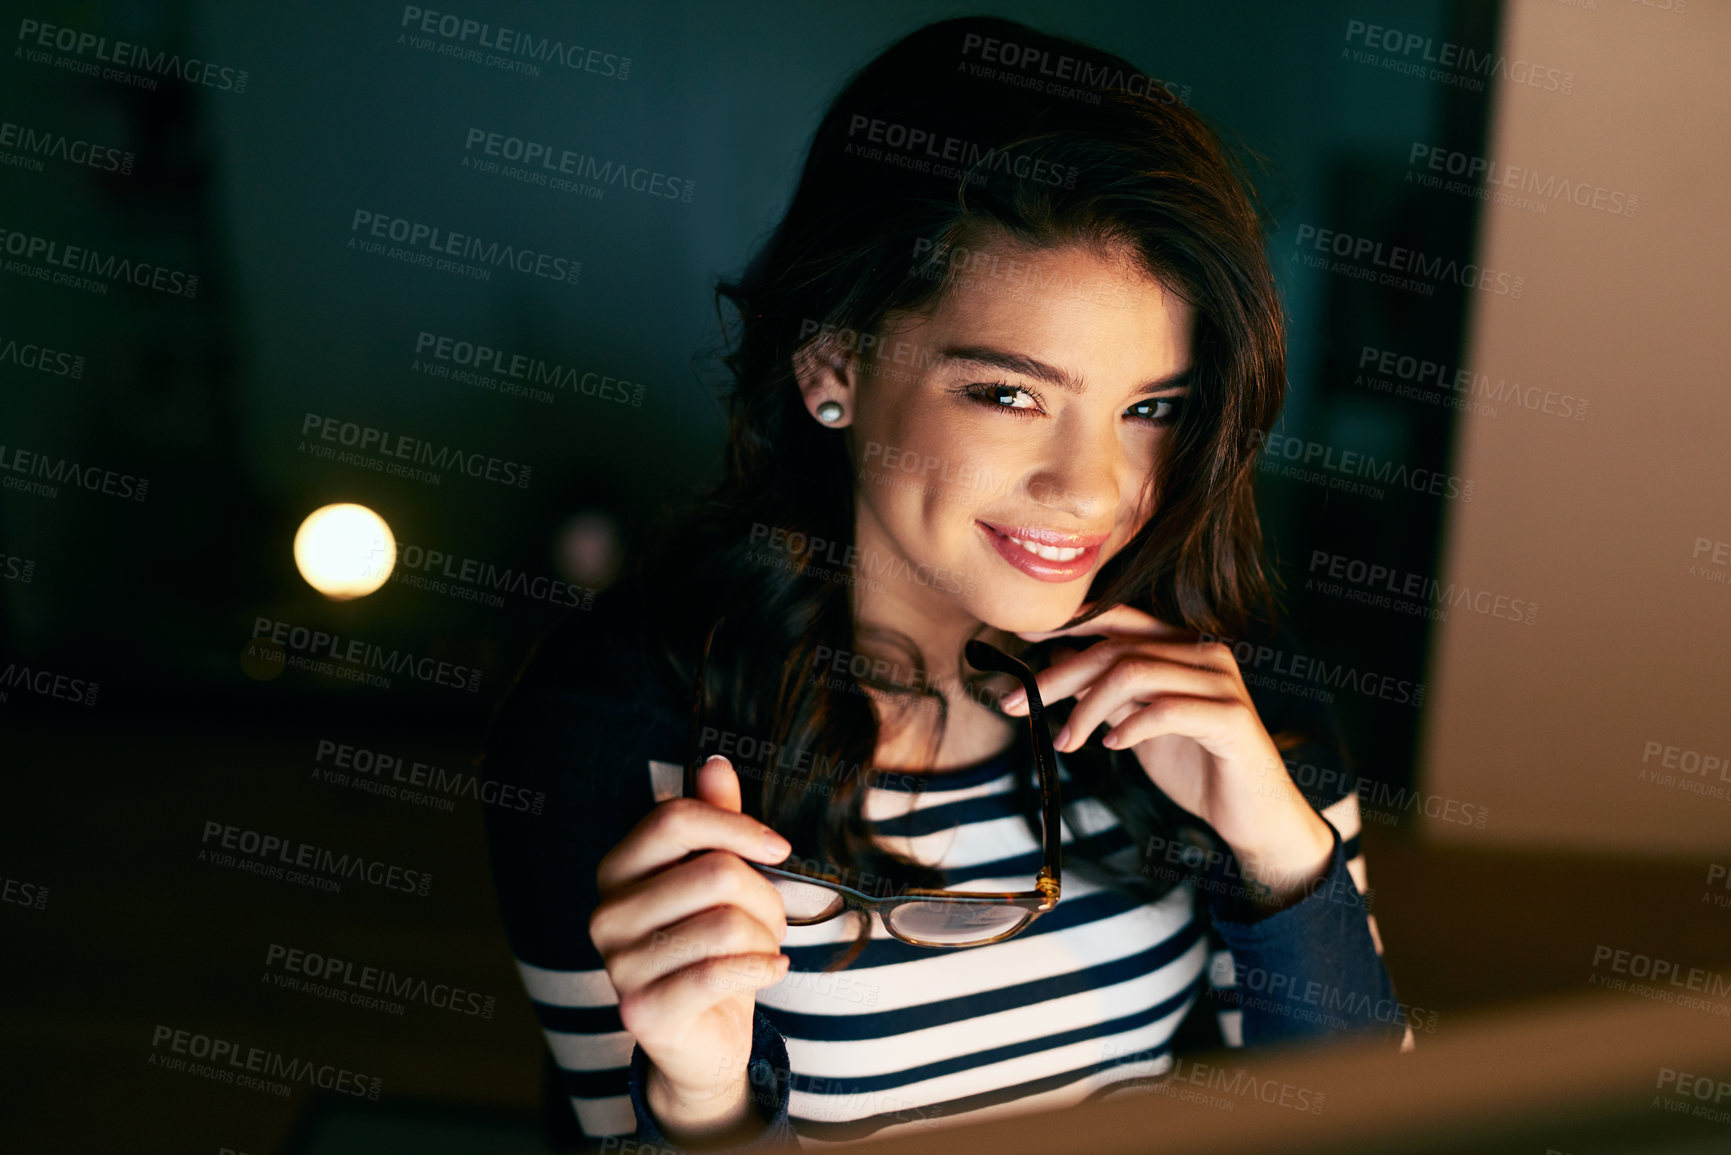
(1068, 555)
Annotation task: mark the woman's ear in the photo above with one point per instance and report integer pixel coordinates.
(827, 377)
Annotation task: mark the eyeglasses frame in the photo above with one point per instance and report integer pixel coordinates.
(1047, 881)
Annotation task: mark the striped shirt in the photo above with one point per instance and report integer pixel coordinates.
(1099, 994)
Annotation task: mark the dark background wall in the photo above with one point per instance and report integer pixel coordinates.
(256, 192)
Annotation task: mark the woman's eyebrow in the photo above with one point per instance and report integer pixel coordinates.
(1040, 371)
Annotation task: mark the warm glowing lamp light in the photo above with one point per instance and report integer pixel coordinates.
(345, 551)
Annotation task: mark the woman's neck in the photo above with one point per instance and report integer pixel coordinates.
(970, 736)
(910, 740)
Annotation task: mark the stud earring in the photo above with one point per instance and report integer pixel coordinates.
(829, 412)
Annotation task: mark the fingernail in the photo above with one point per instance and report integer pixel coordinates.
(1063, 736)
(775, 845)
(1013, 700)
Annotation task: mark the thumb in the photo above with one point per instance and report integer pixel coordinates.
(718, 783)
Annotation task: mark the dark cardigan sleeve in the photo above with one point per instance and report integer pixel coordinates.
(1314, 969)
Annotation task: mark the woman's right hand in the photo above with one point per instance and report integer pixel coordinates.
(687, 943)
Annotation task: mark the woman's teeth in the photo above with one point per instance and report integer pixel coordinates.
(1049, 552)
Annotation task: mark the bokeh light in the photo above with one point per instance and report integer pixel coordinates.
(345, 551)
(589, 549)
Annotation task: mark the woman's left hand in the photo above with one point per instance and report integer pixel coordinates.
(1181, 706)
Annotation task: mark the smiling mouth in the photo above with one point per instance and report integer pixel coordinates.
(1049, 554)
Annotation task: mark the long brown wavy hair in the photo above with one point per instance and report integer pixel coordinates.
(1111, 159)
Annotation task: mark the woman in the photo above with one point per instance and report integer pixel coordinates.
(998, 376)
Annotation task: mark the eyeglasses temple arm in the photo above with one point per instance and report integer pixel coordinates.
(988, 657)
(689, 788)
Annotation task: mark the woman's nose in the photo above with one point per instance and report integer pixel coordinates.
(1079, 480)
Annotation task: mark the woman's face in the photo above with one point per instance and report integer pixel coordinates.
(1003, 445)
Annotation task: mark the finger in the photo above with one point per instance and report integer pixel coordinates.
(1137, 678)
(717, 932)
(1123, 712)
(675, 828)
(712, 879)
(718, 783)
(1046, 681)
(1076, 674)
(1122, 619)
(1209, 721)
(667, 1007)
(1081, 691)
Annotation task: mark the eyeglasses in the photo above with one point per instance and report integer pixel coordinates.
(919, 916)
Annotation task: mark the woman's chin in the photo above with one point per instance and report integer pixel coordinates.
(1027, 616)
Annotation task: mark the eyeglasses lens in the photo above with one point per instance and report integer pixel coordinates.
(806, 902)
(953, 922)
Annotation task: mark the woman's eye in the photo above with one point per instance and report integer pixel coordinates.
(1001, 395)
(1160, 410)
